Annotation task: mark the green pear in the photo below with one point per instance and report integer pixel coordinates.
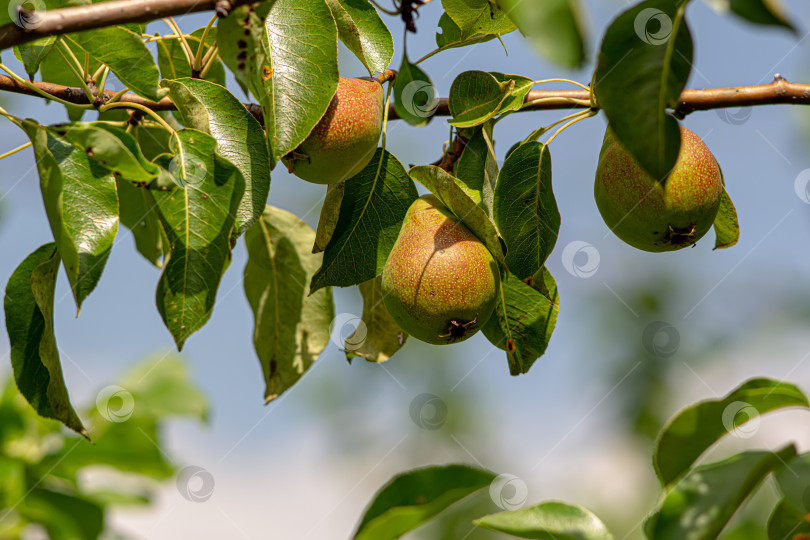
(440, 282)
(655, 217)
(345, 138)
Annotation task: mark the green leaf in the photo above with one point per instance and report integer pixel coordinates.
(198, 220)
(415, 97)
(32, 53)
(82, 207)
(647, 48)
(126, 55)
(525, 210)
(63, 515)
(138, 213)
(377, 337)
(362, 30)
(693, 430)
(111, 147)
(477, 167)
(475, 97)
(701, 504)
(54, 70)
(787, 523)
(173, 63)
(211, 108)
(523, 320)
(726, 226)
(330, 212)
(514, 100)
(34, 355)
(412, 498)
(793, 481)
(451, 36)
(555, 28)
(766, 12)
(473, 216)
(291, 326)
(294, 80)
(371, 214)
(478, 17)
(552, 520)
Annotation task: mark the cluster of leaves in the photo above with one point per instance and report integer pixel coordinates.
(41, 469)
(696, 501)
(190, 183)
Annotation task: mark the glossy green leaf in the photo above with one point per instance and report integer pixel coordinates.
(647, 48)
(701, 504)
(477, 167)
(412, 498)
(81, 204)
(63, 515)
(766, 12)
(377, 337)
(34, 355)
(523, 320)
(362, 30)
(294, 80)
(444, 186)
(517, 95)
(788, 523)
(211, 108)
(53, 69)
(793, 481)
(291, 326)
(475, 97)
(173, 63)
(525, 209)
(451, 37)
(32, 53)
(330, 212)
(371, 214)
(126, 55)
(726, 225)
(552, 520)
(138, 212)
(478, 17)
(415, 97)
(111, 147)
(555, 27)
(693, 430)
(198, 219)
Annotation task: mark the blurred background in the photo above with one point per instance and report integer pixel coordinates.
(639, 335)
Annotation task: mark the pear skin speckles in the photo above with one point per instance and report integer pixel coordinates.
(440, 282)
(344, 140)
(654, 217)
